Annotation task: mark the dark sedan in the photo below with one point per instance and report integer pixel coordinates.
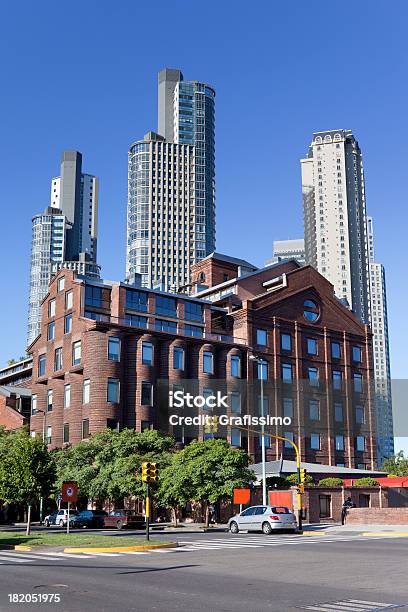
(92, 519)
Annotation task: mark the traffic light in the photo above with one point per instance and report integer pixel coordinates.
(211, 425)
(303, 475)
(149, 472)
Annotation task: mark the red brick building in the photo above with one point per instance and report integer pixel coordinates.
(105, 348)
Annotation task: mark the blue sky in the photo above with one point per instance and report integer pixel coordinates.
(83, 75)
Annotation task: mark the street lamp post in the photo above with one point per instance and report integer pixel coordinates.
(44, 413)
(260, 362)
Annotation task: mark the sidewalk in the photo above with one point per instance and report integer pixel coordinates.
(379, 530)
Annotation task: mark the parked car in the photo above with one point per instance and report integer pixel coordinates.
(59, 517)
(263, 518)
(124, 518)
(89, 518)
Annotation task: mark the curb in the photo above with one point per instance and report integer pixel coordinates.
(14, 547)
(382, 534)
(120, 548)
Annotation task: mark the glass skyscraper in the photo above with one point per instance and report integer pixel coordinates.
(171, 186)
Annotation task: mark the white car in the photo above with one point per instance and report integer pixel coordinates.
(263, 518)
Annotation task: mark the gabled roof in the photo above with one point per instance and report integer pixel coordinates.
(278, 468)
(228, 259)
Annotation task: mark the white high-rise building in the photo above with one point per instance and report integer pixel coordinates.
(335, 216)
(288, 249)
(65, 235)
(382, 373)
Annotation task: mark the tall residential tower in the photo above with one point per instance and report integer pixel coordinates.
(335, 216)
(65, 235)
(171, 186)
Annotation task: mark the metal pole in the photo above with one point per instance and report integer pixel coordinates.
(69, 506)
(147, 511)
(260, 362)
(299, 492)
(43, 437)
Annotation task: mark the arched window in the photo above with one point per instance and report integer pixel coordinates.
(310, 310)
(318, 140)
(337, 137)
(327, 138)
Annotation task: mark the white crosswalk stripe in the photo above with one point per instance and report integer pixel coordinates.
(351, 605)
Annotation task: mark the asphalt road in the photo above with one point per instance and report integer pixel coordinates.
(218, 572)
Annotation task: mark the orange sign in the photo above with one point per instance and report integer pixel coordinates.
(242, 496)
(70, 491)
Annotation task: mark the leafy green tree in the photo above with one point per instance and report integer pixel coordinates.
(366, 482)
(396, 465)
(206, 472)
(330, 482)
(292, 479)
(276, 482)
(27, 470)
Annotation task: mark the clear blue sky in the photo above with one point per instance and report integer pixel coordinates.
(83, 75)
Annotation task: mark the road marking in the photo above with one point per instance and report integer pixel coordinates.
(352, 605)
(29, 555)
(14, 560)
(103, 554)
(65, 555)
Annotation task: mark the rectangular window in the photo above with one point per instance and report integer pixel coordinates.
(41, 364)
(236, 366)
(76, 353)
(360, 415)
(267, 441)
(287, 372)
(135, 321)
(166, 306)
(147, 353)
(193, 311)
(313, 374)
(66, 433)
(261, 337)
(113, 390)
(67, 396)
(207, 393)
(360, 443)
(235, 402)
(51, 331)
(85, 429)
(335, 350)
(289, 435)
(324, 506)
(339, 443)
(357, 354)
(93, 296)
(288, 407)
(178, 358)
(262, 370)
(315, 441)
(113, 348)
(358, 383)
(262, 411)
(61, 284)
(193, 330)
(48, 438)
(165, 326)
(147, 394)
(86, 391)
(145, 425)
(136, 300)
(337, 378)
(338, 412)
(314, 410)
(68, 324)
(51, 308)
(286, 342)
(68, 300)
(49, 400)
(312, 346)
(236, 437)
(33, 404)
(208, 363)
(58, 359)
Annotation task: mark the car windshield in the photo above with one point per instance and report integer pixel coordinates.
(280, 510)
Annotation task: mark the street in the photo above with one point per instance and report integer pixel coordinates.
(218, 571)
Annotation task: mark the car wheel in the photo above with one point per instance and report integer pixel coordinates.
(61, 523)
(266, 528)
(46, 523)
(119, 525)
(234, 527)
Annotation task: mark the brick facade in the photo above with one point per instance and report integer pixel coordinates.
(272, 299)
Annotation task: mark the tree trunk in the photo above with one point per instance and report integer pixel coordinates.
(28, 520)
(207, 514)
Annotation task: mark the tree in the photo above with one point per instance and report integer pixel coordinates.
(293, 479)
(27, 470)
(366, 482)
(330, 482)
(396, 465)
(108, 465)
(206, 472)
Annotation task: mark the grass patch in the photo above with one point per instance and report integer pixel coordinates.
(73, 539)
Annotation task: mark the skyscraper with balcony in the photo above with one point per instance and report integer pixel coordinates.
(335, 216)
(382, 373)
(171, 186)
(65, 235)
